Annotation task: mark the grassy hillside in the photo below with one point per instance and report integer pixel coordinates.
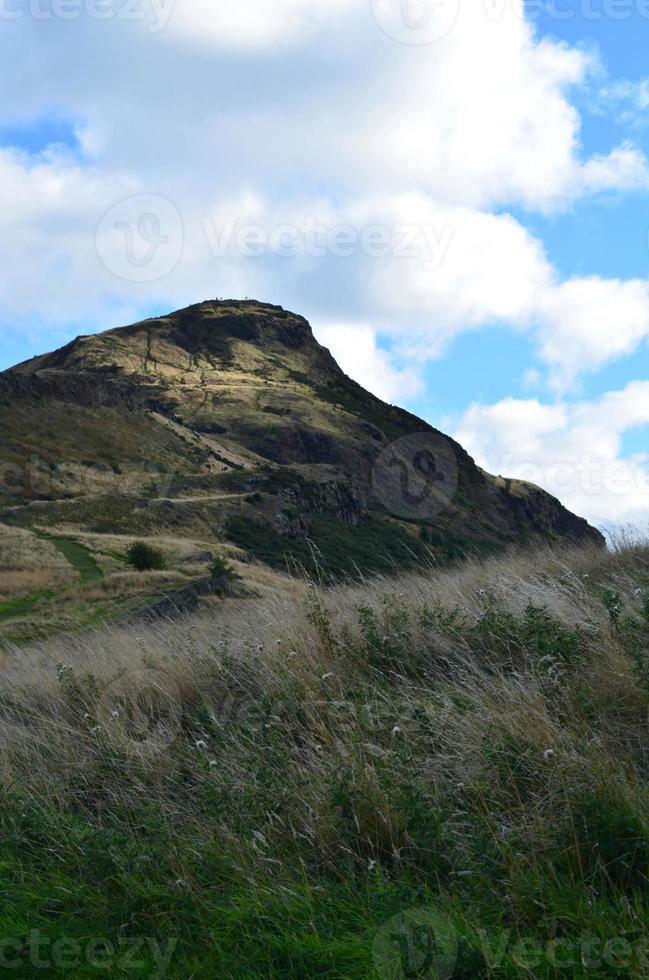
(443, 775)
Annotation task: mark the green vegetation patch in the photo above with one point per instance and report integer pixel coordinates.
(77, 555)
(332, 550)
(79, 558)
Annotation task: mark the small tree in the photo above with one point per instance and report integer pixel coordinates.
(221, 569)
(144, 558)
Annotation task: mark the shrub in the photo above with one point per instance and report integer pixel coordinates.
(144, 558)
(221, 569)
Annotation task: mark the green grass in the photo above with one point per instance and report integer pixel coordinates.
(78, 556)
(22, 605)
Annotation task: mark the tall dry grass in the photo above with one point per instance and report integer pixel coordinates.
(481, 731)
(28, 563)
(311, 653)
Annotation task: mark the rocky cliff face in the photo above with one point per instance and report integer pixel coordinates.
(230, 415)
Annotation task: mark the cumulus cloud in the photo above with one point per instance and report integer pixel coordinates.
(629, 99)
(311, 108)
(586, 322)
(355, 347)
(251, 23)
(573, 450)
(624, 168)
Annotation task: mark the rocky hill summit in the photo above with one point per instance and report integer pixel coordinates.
(228, 420)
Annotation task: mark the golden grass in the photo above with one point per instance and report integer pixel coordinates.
(131, 583)
(29, 564)
(275, 646)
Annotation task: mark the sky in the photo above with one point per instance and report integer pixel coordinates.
(455, 193)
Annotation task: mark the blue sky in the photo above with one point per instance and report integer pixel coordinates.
(181, 153)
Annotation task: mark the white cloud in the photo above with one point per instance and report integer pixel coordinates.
(49, 208)
(467, 267)
(356, 349)
(586, 322)
(217, 108)
(624, 168)
(574, 451)
(251, 23)
(629, 99)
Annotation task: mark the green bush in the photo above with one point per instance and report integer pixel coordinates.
(221, 569)
(144, 558)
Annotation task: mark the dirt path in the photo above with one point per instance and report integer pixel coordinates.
(196, 500)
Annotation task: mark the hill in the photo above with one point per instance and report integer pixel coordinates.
(226, 428)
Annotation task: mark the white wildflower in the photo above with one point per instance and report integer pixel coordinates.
(396, 731)
(548, 754)
(326, 677)
(200, 744)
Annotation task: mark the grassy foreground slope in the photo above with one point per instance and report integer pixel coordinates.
(442, 776)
